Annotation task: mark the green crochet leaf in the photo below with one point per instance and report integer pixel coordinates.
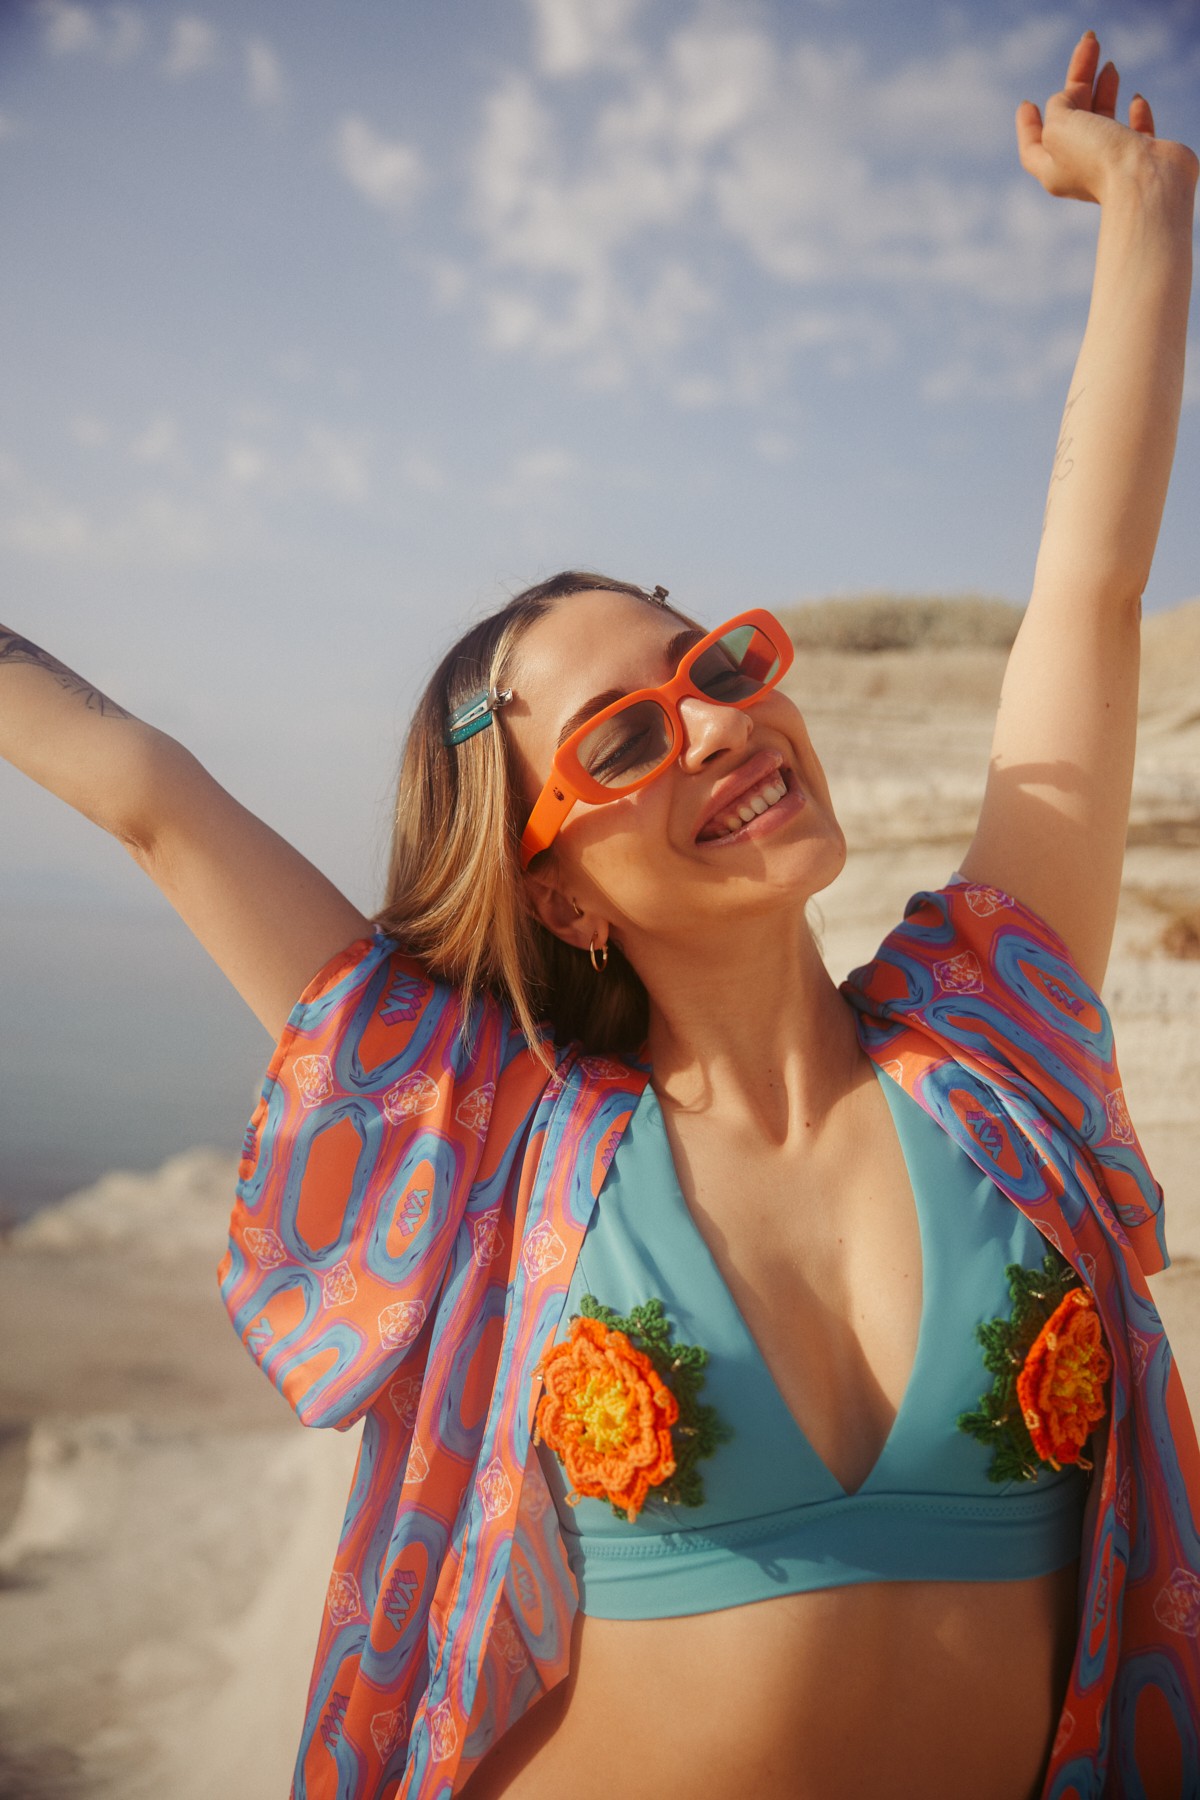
(999, 1421)
(699, 1427)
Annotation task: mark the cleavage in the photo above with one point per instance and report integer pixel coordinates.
(828, 1285)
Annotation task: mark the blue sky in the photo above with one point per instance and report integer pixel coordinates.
(326, 326)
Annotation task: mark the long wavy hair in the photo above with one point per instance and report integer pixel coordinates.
(456, 897)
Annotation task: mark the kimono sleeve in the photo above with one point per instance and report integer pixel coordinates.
(994, 987)
(357, 1166)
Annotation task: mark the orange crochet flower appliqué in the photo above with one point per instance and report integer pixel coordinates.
(607, 1414)
(1061, 1386)
(1050, 1364)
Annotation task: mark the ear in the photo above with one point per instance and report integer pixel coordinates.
(560, 914)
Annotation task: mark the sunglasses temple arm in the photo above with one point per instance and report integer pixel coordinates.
(545, 821)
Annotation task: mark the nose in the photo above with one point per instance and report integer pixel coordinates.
(710, 728)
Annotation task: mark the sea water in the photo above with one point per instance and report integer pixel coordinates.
(120, 1044)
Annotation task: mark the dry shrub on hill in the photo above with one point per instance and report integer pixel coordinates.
(1171, 660)
(882, 621)
(1181, 935)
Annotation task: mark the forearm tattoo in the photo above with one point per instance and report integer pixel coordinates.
(14, 649)
(1064, 462)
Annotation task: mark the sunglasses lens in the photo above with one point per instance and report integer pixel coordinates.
(623, 749)
(740, 664)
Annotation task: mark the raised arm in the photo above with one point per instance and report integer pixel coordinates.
(1055, 812)
(264, 914)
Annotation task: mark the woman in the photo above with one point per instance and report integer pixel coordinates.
(782, 1568)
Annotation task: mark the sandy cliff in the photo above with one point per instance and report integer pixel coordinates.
(157, 1619)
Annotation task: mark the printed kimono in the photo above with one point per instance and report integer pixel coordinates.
(413, 1195)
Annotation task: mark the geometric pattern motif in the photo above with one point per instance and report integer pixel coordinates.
(972, 1000)
(542, 1251)
(343, 1598)
(487, 1242)
(1177, 1604)
(338, 1286)
(495, 1490)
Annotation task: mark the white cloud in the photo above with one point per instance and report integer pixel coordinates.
(89, 432)
(264, 73)
(245, 465)
(334, 463)
(449, 281)
(68, 29)
(150, 529)
(834, 173)
(536, 476)
(126, 35)
(317, 459)
(159, 443)
(192, 49)
(8, 125)
(1023, 49)
(556, 240)
(574, 36)
(1001, 363)
(422, 472)
(621, 222)
(847, 341)
(71, 30)
(1133, 45)
(773, 446)
(385, 171)
(293, 366)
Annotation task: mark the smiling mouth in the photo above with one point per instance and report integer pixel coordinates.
(746, 808)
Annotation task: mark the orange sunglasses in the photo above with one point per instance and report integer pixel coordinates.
(627, 745)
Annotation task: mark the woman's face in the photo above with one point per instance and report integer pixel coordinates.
(663, 861)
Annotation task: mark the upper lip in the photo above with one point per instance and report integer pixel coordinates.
(752, 773)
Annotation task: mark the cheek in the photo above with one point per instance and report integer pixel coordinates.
(618, 848)
(811, 768)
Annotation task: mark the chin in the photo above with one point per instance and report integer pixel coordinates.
(818, 860)
(838, 856)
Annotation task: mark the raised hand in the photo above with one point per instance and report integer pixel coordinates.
(1081, 146)
(1054, 817)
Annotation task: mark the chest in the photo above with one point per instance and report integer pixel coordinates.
(821, 1248)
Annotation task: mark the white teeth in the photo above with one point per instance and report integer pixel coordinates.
(752, 807)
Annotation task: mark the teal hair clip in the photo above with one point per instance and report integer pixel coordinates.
(475, 714)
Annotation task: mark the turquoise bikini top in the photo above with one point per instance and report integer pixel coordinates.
(774, 1520)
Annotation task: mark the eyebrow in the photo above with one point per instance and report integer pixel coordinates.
(673, 655)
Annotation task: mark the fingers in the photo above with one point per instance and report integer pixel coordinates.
(1097, 92)
(1104, 99)
(1065, 157)
(1081, 70)
(1029, 138)
(1036, 160)
(1140, 117)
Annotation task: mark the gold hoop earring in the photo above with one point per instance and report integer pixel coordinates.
(599, 963)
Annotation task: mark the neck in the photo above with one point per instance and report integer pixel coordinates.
(761, 1034)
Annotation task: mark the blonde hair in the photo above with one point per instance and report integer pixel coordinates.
(456, 897)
